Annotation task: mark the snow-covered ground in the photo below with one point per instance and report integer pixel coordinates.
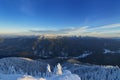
(68, 71)
(85, 54)
(106, 51)
(85, 72)
(94, 72)
(68, 76)
(57, 75)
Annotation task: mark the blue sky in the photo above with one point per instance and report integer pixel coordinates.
(63, 17)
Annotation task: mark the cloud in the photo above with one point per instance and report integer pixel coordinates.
(66, 31)
(112, 26)
(60, 31)
(112, 30)
(49, 31)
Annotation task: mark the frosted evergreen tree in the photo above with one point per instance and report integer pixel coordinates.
(55, 70)
(48, 73)
(59, 69)
(12, 70)
(48, 68)
(21, 71)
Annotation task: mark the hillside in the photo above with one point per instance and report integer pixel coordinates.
(92, 50)
(21, 65)
(70, 70)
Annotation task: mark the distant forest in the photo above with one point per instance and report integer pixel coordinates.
(47, 47)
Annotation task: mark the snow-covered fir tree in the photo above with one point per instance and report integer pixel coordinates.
(59, 69)
(48, 68)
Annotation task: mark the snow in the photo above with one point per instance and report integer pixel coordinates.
(71, 72)
(58, 75)
(48, 68)
(85, 54)
(65, 76)
(86, 72)
(9, 76)
(95, 72)
(21, 65)
(106, 51)
(59, 71)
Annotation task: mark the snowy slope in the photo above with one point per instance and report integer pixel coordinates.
(86, 72)
(57, 74)
(16, 69)
(20, 64)
(106, 51)
(69, 76)
(94, 72)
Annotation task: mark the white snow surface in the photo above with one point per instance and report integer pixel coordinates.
(67, 75)
(58, 74)
(69, 71)
(85, 54)
(94, 72)
(106, 51)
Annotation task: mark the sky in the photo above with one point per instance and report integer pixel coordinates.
(99, 18)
